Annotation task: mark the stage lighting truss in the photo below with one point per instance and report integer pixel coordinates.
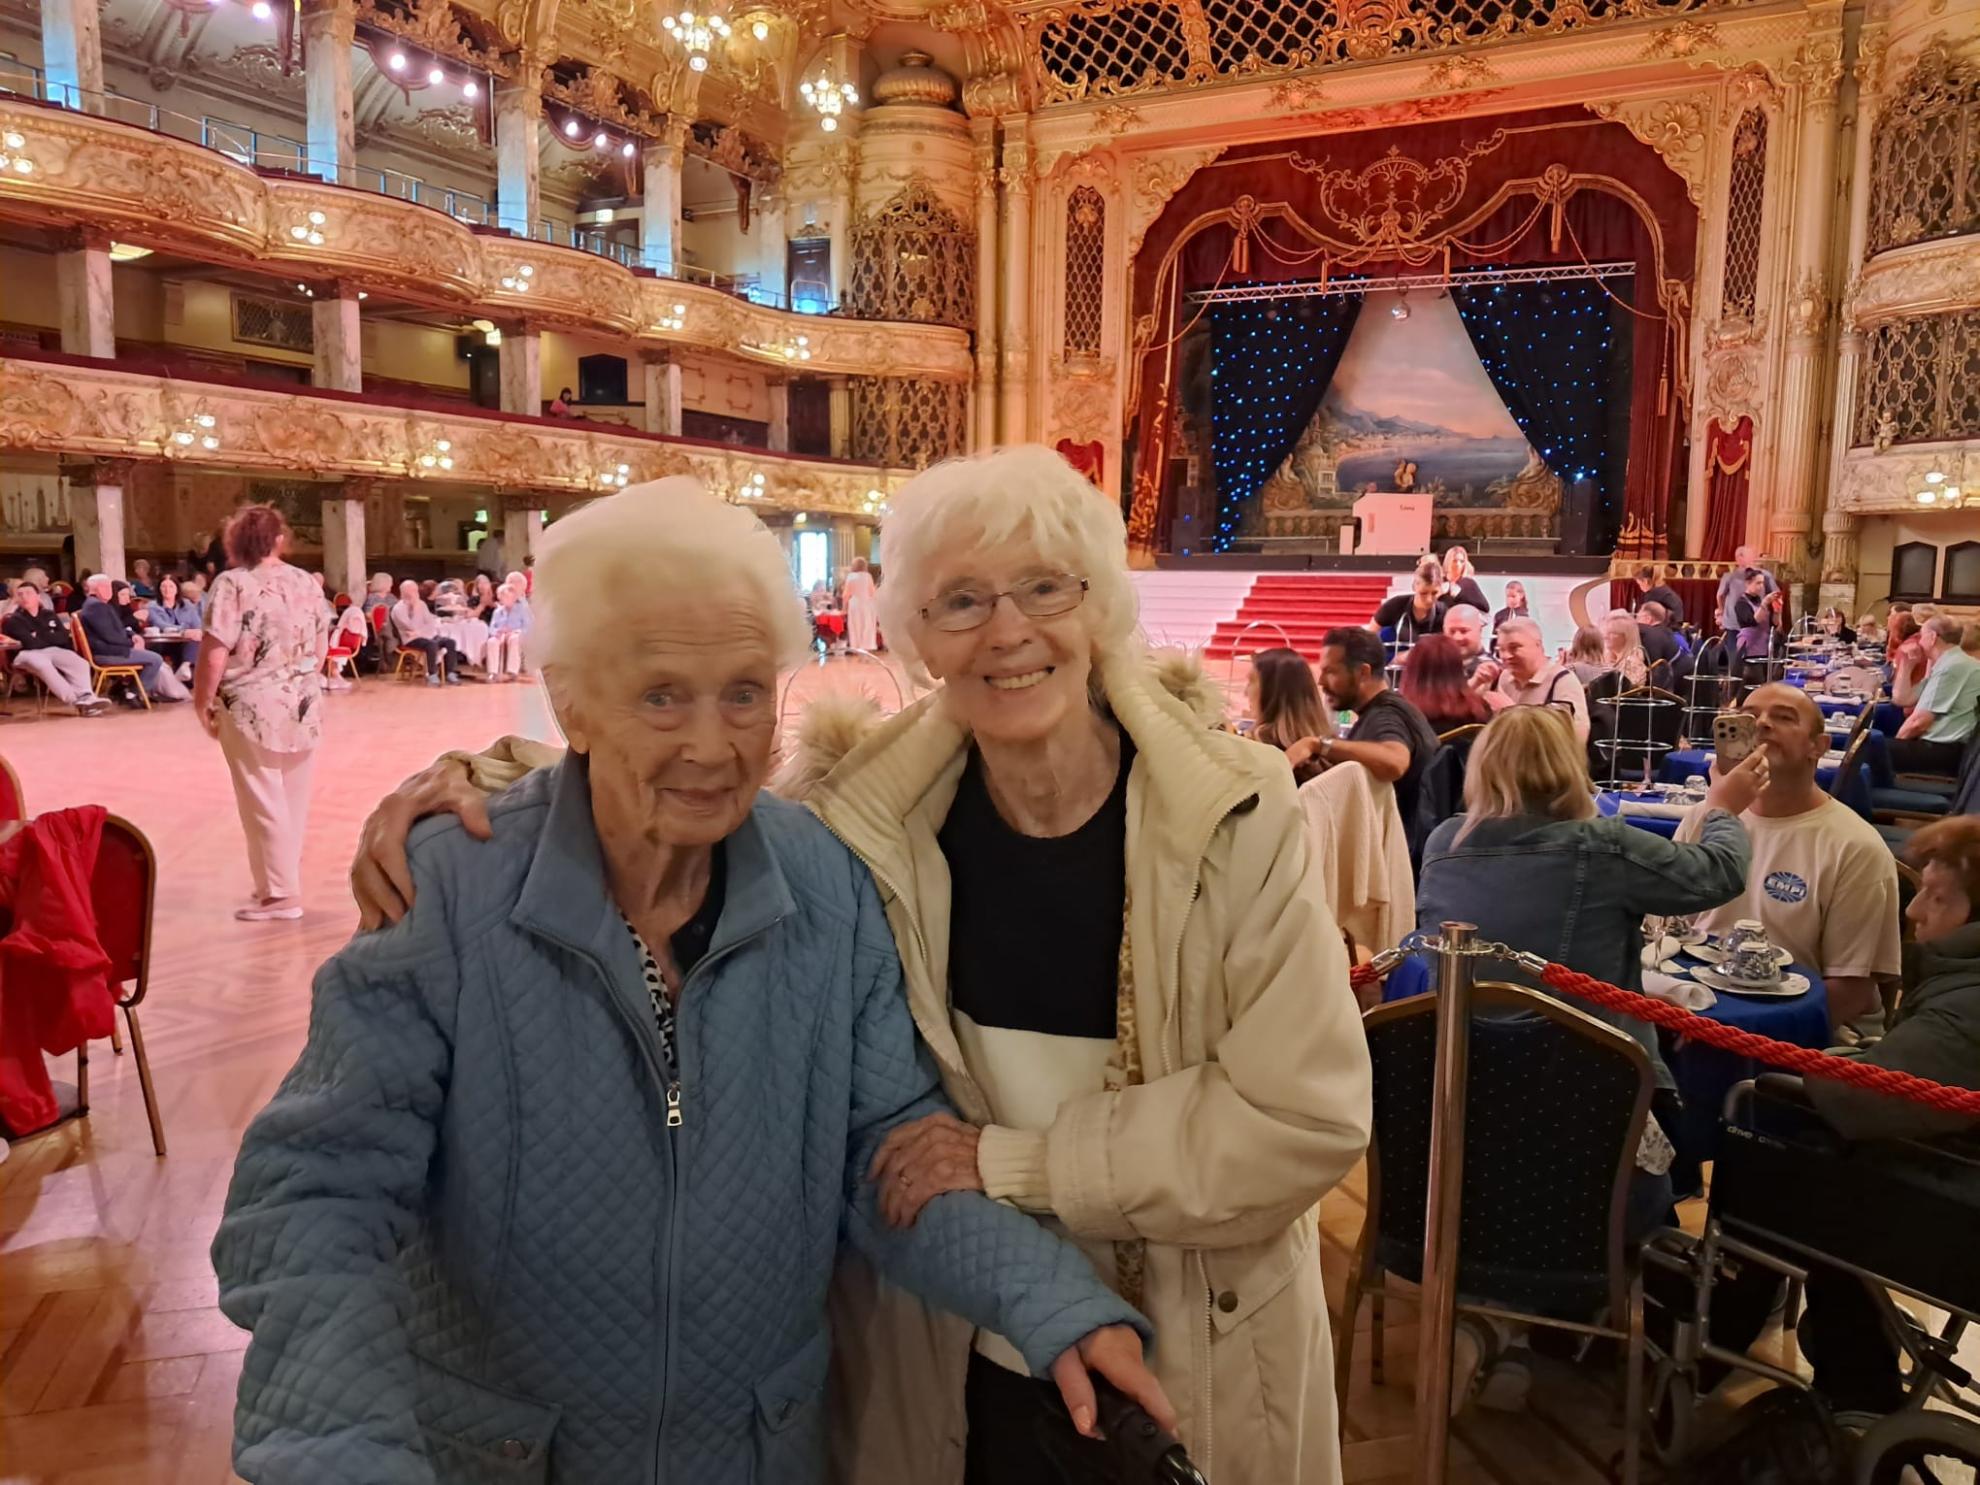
(1405, 283)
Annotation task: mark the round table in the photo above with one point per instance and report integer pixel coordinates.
(1704, 1075)
(1681, 763)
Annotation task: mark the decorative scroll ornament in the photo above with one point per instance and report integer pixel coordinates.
(1808, 307)
(1298, 95)
(1397, 201)
(1116, 119)
(1676, 128)
(1925, 153)
(1083, 403)
(435, 26)
(1682, 41)
(597, 94)
(1461, 74)
(913, 259)
(1154, 181)
(1732, 371)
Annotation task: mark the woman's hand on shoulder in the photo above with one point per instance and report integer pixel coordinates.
(381, 879)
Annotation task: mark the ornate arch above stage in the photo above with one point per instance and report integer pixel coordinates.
(1552, 186)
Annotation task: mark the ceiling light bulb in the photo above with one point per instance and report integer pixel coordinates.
(698, 63)
(262, 10)
(626, 149)
(470, 89)
(598, 140)
(570, 128)
(1936, 477)
(828, 124)
(760, 30)
(436, 76)
(397, 61)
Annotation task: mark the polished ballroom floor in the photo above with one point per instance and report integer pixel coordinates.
(115, 1365)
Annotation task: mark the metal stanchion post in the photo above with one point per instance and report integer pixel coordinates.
(1441, 1212)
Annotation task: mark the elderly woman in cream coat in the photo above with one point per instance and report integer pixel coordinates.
(1127, 974)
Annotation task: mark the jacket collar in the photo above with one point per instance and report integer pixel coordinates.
(567, 898)
(1957, 954)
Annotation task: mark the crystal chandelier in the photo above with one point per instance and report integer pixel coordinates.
(829, 98)
(696, 34)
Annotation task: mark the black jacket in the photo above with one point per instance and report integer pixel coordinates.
(46, 630)
(109, 640)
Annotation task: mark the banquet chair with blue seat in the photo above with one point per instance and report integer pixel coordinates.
(1556, 1107)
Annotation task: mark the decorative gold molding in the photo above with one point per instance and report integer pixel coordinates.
(1924, 278)
(1676, 128)
(169, 193)
(1886, 482)
(97, 412)
(1154, 180)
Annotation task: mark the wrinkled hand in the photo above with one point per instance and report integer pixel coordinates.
(1114, 1351)
(1735, 790)
(920, 1161)
(381, 881)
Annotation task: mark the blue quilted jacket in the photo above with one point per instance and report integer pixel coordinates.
(467, 1242)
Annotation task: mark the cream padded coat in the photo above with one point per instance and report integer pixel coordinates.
(1256, 1097)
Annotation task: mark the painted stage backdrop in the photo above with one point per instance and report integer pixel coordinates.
(1411, 408)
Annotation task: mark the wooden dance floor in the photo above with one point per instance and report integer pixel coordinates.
(115, 1364)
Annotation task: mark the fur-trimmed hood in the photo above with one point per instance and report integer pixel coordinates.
(833, 726)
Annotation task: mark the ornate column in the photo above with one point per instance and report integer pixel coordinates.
(72, 53)
(1014, 425)
(518, 150)
(329, 32)
(839, 409)
(773, 250)
(780, 414)
(983, 426)
(343, 538)
(662, 393)
(660, 208)
(339, 363)
(521, 355)
(83, 296)
(96, 510)
(1807, 302)
(522, 524)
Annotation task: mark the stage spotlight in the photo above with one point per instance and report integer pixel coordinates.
(1400, 309)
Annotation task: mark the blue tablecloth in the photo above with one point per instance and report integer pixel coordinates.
(1681, 763)
(1609, 803)
(1704, 1075)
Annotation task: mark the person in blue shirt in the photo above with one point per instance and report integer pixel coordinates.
(1934, 736)
(508, 624)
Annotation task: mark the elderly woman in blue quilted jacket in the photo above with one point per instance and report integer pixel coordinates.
(555, 1190)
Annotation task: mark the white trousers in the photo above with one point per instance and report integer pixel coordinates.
(505, 652)
(63, 672)
(271, 791)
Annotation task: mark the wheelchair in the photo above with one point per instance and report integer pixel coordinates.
(1787, 1192)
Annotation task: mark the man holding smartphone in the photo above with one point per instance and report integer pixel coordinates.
(1822, 883)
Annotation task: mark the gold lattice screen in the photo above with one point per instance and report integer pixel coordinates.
(1920, 380)
(1746, 199)
(907, 422)
(1086, 259)
(1925, 177)
(1103, 48)
(913, 259)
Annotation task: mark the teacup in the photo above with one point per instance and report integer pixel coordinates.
(1748, 956)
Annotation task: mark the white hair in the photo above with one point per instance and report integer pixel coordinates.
(1025, 494)
(1520, 626)
(666, 542)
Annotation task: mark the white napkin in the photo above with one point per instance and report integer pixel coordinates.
(1687, 993)
(1656, 809)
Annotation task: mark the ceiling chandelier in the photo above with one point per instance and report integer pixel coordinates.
(829, 98)
(696, 34)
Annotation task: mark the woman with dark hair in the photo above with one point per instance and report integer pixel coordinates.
(1433, 680)
(1285, 699)
(259, 691)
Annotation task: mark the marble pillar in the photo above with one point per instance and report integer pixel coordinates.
(96, 510)
(518, 152)
(662, 394)
(521, 354)
(329, 32)
(839, 407)
(773, 248)
(339, 352)
(521, 525)
(1015, 359)
(83, 297)
(660, 209)
(72, 53)
(780, 414)
(983, 424)
(343, 543)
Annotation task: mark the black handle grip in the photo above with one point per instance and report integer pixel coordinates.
(1143, 1449)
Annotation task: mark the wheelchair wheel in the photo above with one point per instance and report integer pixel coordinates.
(1673, 1419)
(1914, 1448)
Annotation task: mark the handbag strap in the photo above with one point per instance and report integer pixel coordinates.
(1130, 1255)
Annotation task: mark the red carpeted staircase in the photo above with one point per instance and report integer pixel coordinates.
(1304, 606)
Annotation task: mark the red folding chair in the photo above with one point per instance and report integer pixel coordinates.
(121, 888)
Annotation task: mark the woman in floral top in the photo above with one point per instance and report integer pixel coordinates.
(259, 691)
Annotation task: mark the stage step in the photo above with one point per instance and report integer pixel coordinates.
(1182, 608)
(1296, 609)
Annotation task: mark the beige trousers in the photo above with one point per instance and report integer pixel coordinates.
(271, 790)
(505, 653)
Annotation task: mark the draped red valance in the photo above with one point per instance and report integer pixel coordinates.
(1544, 186)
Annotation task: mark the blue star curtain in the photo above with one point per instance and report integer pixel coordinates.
(1550, 350)
(1272, 361)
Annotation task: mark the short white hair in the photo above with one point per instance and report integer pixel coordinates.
(1521, 626)
(1025, 494)
(666, 542)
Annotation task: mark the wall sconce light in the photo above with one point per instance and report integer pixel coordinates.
(519, 281)
(309, 228)
(438, 457)
(615, 479)
(753, 487)
(696, 34)
(198, 429)
(12, 143)
(675, 318)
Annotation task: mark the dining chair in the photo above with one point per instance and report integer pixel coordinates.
(98, 674)
(122, 887)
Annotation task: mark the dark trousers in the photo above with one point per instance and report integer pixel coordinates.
(1915, 755)
(1019, 1433)
(445, 651)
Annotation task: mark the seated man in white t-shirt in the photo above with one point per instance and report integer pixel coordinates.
(1524, 676)
(1823, 883)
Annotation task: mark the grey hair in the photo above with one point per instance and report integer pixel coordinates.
(1949, 629)
(1521, 626)
(670, 539)
(1025, 494)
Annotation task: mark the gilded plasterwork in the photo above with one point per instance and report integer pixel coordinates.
(913, 259)
(1920, 381)
(1925, 180)
(1154, 180)
(903, 423)
(1925, 279)
(1676, 128)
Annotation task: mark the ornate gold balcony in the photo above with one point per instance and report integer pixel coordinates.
(62, 407)
(170, 193)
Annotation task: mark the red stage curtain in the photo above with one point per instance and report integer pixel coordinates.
(1088, 458)
(1728, 478)
(1503, 160)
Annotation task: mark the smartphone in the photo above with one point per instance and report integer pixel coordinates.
(1734, 736)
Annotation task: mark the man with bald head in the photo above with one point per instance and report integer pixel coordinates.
(1464, 626)
(1823, 882)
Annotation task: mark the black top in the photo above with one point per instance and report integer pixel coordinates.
(1387, 717)
(691, 940)
(46, 630)
(1499, 619)
(1399, 614)
(108, 638)
(1035, 922)
(1469, 592)
(1673, 605)
(1658, 642)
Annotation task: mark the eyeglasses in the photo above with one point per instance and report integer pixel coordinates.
(1042, 597)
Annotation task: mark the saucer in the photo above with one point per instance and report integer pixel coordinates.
(1713, 953)
(1788, 986)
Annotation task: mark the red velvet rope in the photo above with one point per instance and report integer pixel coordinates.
(1805, 1060)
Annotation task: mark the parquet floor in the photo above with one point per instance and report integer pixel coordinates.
(115, 1365)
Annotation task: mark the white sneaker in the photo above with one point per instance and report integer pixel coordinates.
(269, 913)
